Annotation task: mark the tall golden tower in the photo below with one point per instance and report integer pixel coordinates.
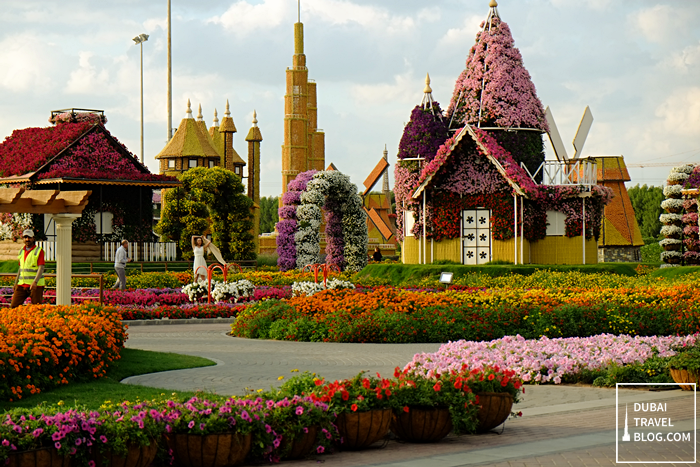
(304, 143)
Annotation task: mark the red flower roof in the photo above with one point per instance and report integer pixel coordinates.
(28, 149)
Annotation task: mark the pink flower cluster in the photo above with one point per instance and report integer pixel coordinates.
(495, 89)
(547, 360)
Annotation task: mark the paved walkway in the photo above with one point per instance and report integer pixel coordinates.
(561, 425)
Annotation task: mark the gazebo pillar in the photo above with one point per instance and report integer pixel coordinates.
(64, 229)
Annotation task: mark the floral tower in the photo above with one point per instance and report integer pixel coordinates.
(424, 133)
(495, 93)
(304, 143)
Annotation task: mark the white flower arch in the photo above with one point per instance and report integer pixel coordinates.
(346, 228)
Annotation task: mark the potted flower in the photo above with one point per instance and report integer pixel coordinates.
(208, 433)
(363, 408)
(496, 390)
(302, 425)
(127, 435)
(42, 436)
(428, 407)
(684, 367)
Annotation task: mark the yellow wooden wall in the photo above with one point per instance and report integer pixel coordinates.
(563, 250)
(550, 250)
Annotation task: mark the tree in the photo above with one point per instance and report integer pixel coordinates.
(646, 201)
(209, 199)
(268, 213)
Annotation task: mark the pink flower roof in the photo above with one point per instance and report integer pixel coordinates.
(487, 146)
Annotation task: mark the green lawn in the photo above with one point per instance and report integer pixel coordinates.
(94, 393)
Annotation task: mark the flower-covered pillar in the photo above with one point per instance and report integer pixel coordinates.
(673, 218)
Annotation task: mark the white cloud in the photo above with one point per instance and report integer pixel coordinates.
(660, 24)
(462, 37)
(27, 63)
(86, 79)
(591, 4)
(686, 59)
(243, 19)
(680, 112)
(404, 89)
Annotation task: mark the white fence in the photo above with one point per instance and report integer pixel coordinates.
(144, 251)
(579, 172)
(49, 250)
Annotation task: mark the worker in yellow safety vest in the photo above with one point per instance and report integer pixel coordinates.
(30, 278)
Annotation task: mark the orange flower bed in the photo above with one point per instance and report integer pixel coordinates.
(43, 346)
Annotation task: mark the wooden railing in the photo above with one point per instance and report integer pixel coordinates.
(99, 277)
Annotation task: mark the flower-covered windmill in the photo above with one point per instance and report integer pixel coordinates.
(472, 184)
(620, 236)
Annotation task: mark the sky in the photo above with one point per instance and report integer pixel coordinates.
(635, 63)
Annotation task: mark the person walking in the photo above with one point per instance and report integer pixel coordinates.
(30, 277)
(120, 260)
(199, 245)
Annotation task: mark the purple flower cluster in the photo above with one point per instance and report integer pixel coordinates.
(424, 133)
(287, 225)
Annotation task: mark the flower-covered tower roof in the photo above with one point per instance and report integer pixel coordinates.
(495, 89)
(425, 131)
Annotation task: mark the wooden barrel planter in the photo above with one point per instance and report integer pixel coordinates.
(136, 456)
(215, 450)
(362, 429)
(300, 446)
(494, 409)
(45, 457)
(684, 376)
(422, 424)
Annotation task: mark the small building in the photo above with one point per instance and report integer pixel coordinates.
(79, 153)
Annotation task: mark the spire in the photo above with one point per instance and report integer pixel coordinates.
(385, 179)
(227, 122)
(200, 117)
(254, 133)
(493, 14)
(189, 109)
(428, 102)
(215, 122)
(298, 32)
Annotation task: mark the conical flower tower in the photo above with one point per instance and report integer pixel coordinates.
(425, 131)
(495, 92)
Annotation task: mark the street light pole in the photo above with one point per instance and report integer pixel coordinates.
(140, 39)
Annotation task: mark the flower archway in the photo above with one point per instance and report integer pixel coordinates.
(299, 238)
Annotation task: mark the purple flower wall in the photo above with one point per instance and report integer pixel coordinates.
(287, 226)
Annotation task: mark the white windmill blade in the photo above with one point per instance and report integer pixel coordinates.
(582, 133)
(554, 137)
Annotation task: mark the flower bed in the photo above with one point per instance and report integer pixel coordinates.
(385, 314)
(548, 360)
(42, 346)
(187, 311)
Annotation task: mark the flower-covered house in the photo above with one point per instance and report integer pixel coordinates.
(472, 184)
(78, 153)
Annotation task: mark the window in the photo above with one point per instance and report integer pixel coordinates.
(212, 164)
(556, 223)
(192, 163)
(171, 163)
(237, 170)
(408, 222)
(103, 223)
